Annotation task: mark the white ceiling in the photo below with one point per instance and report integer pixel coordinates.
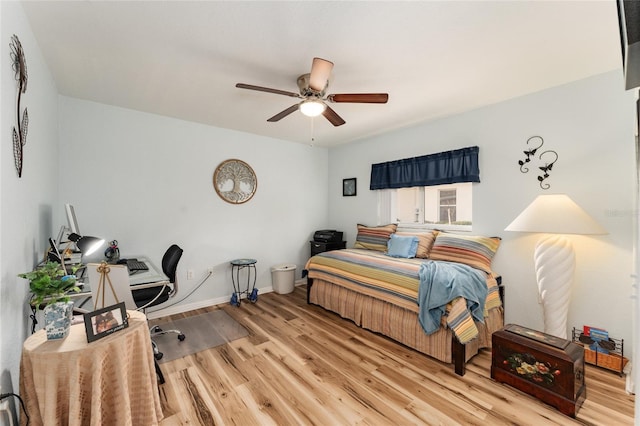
(434, 58)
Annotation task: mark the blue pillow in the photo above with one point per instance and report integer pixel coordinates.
(402, 246)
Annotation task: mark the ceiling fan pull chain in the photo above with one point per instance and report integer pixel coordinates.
(312, 137)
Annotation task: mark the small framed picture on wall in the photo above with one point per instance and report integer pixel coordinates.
(349, 187)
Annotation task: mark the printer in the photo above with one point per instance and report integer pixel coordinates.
(327, 236)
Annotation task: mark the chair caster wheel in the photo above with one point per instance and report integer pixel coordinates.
(156, 329)
(158, 356)
(181, 337)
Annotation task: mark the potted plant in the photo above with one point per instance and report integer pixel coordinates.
(50, 285)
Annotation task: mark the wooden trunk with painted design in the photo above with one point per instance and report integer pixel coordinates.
(544, 366)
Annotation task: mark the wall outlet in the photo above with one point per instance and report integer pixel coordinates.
(189, 274)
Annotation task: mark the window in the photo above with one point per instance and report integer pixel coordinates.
(447, 213)
(441, 206)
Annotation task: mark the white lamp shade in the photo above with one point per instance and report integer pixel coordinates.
(320, 73)
(555, 214)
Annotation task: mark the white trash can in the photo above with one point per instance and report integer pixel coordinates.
(283, 278)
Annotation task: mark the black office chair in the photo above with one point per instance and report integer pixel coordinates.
(148, 297)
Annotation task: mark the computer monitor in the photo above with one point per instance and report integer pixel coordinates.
(71, 219)
(63, 241)
(62, 235)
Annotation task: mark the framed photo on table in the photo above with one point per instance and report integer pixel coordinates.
(349, 187)
(105, 321)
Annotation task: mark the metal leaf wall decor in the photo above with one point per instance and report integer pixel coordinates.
(19, 66)
(546, 169)
(530, 154)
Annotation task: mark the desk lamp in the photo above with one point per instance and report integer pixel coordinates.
(554, 257)
(87, 245)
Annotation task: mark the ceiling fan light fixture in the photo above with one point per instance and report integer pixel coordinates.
(312, 108)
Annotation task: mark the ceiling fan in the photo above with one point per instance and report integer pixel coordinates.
(312, 88)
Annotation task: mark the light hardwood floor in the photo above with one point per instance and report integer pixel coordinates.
(303, 365)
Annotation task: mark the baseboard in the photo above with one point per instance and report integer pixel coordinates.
(178, 309)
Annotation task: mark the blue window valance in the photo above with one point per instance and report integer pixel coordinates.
(460, 165)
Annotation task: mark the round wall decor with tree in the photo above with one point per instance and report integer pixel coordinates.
(235, 181)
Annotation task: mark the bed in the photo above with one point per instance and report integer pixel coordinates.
(399, 292)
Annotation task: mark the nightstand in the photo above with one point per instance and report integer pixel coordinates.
(319, 246)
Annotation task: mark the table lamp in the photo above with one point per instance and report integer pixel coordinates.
(86, 244)
(554, 257)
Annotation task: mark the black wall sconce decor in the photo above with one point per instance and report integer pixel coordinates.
(546, 169)
(531, 154)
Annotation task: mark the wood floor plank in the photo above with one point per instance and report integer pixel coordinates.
(279, 307)
(244, 348)
(302, 365)
(300, 395)
(311, 383)
(221, 383)
(363, 382)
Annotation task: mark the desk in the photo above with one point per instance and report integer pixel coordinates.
(140, 280)
(111, 381)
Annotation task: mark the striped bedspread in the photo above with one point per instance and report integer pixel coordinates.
(395, 280)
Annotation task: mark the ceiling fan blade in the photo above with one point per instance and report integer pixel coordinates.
(320, 73)
(279, 116)
(365, 98)
(267, 89)
(333, 117)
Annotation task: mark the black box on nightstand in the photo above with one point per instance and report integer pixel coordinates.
(319, 247)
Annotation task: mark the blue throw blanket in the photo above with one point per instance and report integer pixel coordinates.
(440, 283)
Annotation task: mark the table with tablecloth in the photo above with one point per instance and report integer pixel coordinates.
(111, 381)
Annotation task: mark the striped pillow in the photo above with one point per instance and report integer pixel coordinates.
(374, 238)
(425, 241)
(471, 250)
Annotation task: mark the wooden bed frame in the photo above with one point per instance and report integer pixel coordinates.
(458, 350)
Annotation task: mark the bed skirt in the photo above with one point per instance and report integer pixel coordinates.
(399, 323)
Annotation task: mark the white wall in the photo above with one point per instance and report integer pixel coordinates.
(590, 124)
(146, 181)
(27, 203)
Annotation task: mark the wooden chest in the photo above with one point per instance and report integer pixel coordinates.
(544, 366)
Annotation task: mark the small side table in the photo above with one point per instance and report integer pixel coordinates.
(236, 266)
(109, 381)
